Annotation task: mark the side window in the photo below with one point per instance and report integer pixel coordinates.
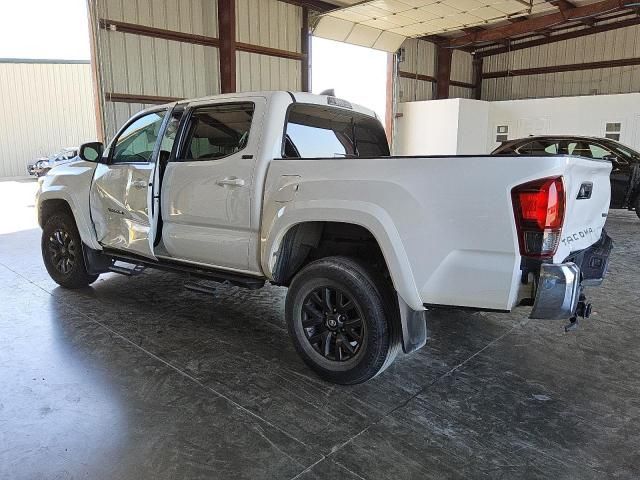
(598, 152)
(539, 147)
(137, 142)
(580, 149)
(217, 131)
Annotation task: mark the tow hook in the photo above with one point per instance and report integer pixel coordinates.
(583, 310)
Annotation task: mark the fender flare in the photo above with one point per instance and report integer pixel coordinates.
(364, 214)
(81, 216)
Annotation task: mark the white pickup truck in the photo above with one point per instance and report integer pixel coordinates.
(300, 190)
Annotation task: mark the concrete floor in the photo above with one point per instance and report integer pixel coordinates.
(139, 378)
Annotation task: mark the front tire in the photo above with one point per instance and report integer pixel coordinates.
(339, 320)
(637, 206)
(62, 252)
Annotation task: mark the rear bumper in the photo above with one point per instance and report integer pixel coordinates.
(558, 291)
(560, 284)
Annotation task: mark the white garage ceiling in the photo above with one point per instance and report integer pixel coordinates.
(384, 24)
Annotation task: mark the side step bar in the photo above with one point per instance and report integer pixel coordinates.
(129, 272)
(199, 287)
(220, 276)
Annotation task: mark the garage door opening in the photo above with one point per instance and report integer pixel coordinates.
(357, 74)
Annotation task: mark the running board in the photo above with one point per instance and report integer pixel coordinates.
(129, 272)
(219, 276)
(200, 287)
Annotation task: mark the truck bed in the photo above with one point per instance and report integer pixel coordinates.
(445, 224)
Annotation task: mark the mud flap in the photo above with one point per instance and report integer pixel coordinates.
(95, 261)
(414, 327)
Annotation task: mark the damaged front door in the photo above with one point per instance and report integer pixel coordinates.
(122, 200)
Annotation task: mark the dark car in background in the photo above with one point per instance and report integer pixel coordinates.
(625, 174)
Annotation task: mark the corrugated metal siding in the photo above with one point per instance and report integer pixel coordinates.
(411, 90)
(420, 57)
(261, 72)
(139, 65)
(44, 107)
(462, 66)
(614, 44)
(273, 24)
(188, 16)
(460, 92)
(269, 23)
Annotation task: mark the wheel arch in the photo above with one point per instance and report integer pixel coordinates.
(304, 242)
(51, 202)
(377, 224)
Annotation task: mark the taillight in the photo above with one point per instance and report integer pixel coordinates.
(539, 211)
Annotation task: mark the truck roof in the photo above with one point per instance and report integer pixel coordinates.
(299, 97)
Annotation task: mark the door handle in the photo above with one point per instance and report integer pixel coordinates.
(231, 181)
(139, 183)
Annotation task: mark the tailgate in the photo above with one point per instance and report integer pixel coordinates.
(588, 192)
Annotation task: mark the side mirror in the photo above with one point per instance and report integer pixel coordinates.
(610, 158)
(91, 152)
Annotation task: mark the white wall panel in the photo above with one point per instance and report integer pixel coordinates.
(273, 24)
(614, 44)
(269, 23)
(188, 16)
(412, 90)
(139, 65)
(462, 66)
(44, 108)
(420, 57)
(460, 92)
(261, 72)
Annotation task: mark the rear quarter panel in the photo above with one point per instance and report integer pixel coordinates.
(445, 224)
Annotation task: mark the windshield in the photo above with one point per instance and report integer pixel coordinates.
(316, 131)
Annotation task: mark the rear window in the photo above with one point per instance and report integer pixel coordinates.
(315, 131)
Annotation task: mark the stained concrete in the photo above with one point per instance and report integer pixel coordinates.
(137, 378)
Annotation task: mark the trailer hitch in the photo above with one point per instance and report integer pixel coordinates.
(583, 310)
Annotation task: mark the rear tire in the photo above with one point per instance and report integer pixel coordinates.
(637, 206)
(62, 252)
(341, 320)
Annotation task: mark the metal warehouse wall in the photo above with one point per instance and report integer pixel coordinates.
(44, 107)
(420, 59)
(418, 71)
(623, 43)
(154, 51)
(271, 24)
(461, 71)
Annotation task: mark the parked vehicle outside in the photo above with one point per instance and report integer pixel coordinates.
(625, 172)
(42, 166)
(300, 190)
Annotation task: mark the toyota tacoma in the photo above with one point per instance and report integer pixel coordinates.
(300, 190)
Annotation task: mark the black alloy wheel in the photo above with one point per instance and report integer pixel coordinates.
(63, 251)
(333, 323)
(340, 315)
